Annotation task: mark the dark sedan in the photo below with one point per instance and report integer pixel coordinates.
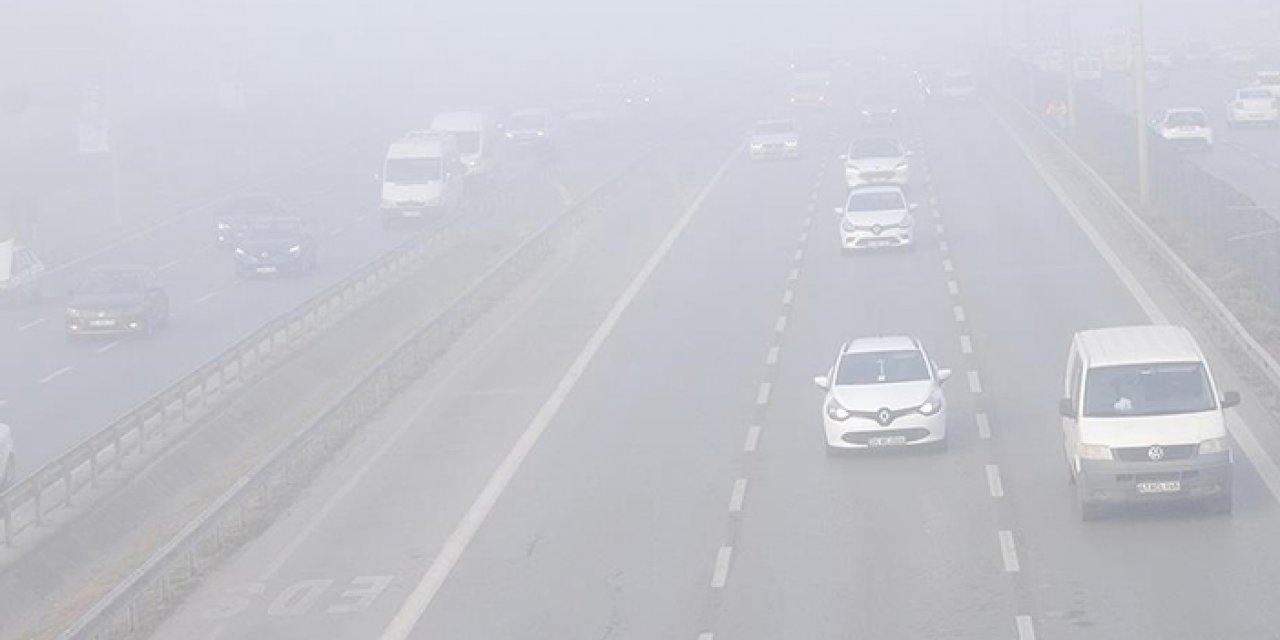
(275, 246)
(112, 300)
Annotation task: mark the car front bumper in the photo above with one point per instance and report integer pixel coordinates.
(87, 325)
(866, 433)
(887, 238)
(1114, 482)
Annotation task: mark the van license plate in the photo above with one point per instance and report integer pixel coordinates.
(886, 441)
(1172, 486)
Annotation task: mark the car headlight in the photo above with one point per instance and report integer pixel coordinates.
(866, 112)
(901, 166)
(74, 313)
(241, 252)
(510, 134)
(906, 221)
(835, 411)
(893, 112)
(295, 249)
(846, 225)
(1215, 445)
(542, 133)
(933, 405)
(793, 143)
(1093, 451)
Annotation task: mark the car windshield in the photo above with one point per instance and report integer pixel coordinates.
(1147, 390)
(1255, 94)
(1186, 119)
(278, 230)
(881, 367)
(875, 148)
(770, 128)
(528, 121)
(1269, 78)
(875, 201)
(410, 171)
(109, 282)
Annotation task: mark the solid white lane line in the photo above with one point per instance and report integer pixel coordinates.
(984, 425)
(788, 296)
(1026, 629)
(738, 496)
(33, 324)
(966, 345)
(1009, 551)
(721, 575)
(959, 313)
(772, 357)
(994, 484)
(753, 439)
(975, 384)
(762, 394)
(947, 266)
(953, 287)
(54, 375)
(781, 324)
(206, 297)
(451, 552)
(108, 346)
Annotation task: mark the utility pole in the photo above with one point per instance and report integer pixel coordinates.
(1140, 109)
(1069, 53)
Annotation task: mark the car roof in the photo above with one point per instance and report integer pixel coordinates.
(882, 343)
(1137, 345)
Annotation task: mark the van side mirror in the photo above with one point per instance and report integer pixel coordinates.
(823, 382)
(1066, 408)
(1230, 399)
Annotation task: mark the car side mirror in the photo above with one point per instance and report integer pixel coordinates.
(838, 209)
(909, 154)
(1230, 399)
(913, 206)
(944, 375)
(1066, 408)
(823, 382)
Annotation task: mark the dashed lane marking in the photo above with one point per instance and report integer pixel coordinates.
(1026, 629)
(799, 255)
(721, 575)
(55, 375)
(966, 345)
(1009, 552)
(975, 383)
(206, 297)
(781, 324)
(804, 237)
(788, 296)
(947, 266)
(994, 484)
(953, 287)
(762, 394)
(940, 229)
(772, 357)
(984, 425)
(33, 324)
(959, 313)
(795, 273)
(753, 439)
(738, 496)
(108, 346)
(942, 246)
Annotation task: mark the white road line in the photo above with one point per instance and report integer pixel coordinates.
(942, 246)
(337, 232)
(108, 346)
(753, 439)
(937, 215)
(959, 313)
(706, 635)
(799, 255)
(772, 357)
(781, 324)
(762, 394)
(204, 248)
(54, 375)
(721, 575)
(933, 200)
(812, 206)
(788, 296)
(994, 484)
(738, 496)
(33, 324)
(206, 297)
(1009, 551)
(953, 287)
(419, 600)
(804, 237)
(975, 384)
(984, 425)
(947, 266)
(1026, 629)
(966, 345)
(813, 196)
(808, 221)
(795, 273)
(939, 229)
(168, 265)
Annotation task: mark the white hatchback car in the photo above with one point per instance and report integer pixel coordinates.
(883, 392)
(8, 464)
(872, 161)
(1186, 126)
(1253, 105)
(876, 217)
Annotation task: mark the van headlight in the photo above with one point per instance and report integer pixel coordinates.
(835, 411)
(1215, 445)
(1093, 451)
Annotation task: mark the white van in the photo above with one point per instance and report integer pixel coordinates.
(21, 273)
(1143, 421)
(423, 174)
(475, 135)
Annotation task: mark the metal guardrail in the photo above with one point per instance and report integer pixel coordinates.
(28, 504)
(138, 600)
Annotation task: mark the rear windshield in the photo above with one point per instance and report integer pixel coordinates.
(882, 367)
(876, 201)
(1147, 390)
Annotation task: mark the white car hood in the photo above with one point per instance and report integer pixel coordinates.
(875, 164)
(873, 397)
(412, 192)
(1144, 431)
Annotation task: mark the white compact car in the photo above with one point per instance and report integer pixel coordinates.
(875, 161)
(8, 464)
(774, 139)
(883, 392)
(1186, 126)
(1253, 105)
(875, 217)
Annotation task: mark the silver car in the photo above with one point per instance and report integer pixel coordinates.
(876, 161)
(775, 139)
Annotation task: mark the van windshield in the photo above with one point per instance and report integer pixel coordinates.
(1147, 390)
(413, 170)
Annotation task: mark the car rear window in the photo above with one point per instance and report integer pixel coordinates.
(882, 367)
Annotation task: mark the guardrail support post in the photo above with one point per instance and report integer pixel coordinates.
(8, 522)
(66, 482)
(39, 499)
(93, 468)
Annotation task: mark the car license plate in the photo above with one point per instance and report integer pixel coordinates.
(886, 441)
(412, 214)
(879, 243)
(1171, 486)
(102, 323)
(266, 269)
